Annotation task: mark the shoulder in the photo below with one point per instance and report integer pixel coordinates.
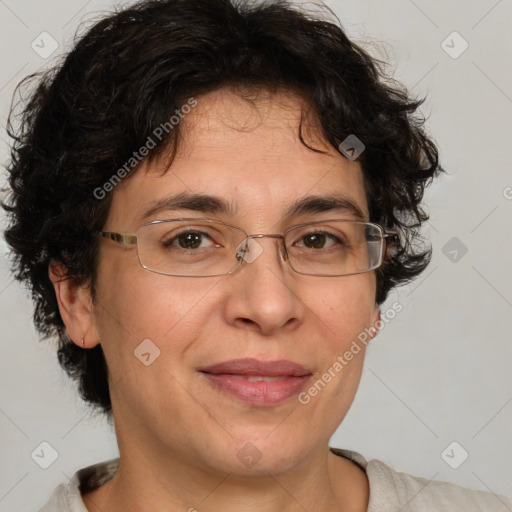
(67, 497)
(389, 487)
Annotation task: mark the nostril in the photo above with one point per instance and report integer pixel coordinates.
(247, 321)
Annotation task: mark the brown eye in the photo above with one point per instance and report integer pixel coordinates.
(189, 240)
(319, 240)
(315, 240)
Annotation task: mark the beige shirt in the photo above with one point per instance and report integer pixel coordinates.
(390, 490)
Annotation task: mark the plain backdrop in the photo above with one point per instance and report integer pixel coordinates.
(440, 372)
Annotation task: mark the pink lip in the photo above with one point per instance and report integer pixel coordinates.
(230, 376)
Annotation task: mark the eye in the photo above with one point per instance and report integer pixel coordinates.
(319, 240)
(189, 240)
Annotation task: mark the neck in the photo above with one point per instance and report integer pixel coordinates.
(324, 483)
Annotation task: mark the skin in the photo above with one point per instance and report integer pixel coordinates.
(178, 436)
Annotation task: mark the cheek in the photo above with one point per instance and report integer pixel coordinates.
(345, 313)
(344, 310)
(346, 307)
(134, 305)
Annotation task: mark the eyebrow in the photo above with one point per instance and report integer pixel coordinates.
(216, 205)
(319, 204)
(186, 201)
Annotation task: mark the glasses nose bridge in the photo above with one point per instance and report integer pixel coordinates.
(283, 252)
(270, 235)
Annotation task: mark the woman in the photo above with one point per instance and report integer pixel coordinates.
(210, 201)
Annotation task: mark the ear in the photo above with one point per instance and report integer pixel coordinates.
(75, 306)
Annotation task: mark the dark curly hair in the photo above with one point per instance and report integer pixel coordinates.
(131, 71)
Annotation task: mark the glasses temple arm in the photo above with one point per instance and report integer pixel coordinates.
(118, 237)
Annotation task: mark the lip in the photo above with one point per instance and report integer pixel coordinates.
(251, 366)
(231, 377)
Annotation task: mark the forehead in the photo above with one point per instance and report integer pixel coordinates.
(248, 152)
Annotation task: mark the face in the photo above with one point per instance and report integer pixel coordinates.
(251, 158)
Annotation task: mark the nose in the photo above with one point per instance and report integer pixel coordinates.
(263, 295)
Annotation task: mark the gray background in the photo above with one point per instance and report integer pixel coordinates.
(440, 371)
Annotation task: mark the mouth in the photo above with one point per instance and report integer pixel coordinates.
(256, 382)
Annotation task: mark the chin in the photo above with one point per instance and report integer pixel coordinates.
(262, 451)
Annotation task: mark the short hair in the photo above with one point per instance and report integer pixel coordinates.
(134, 69)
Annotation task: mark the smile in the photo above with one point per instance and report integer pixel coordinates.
(261, 383)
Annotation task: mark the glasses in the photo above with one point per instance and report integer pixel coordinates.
(208, 248)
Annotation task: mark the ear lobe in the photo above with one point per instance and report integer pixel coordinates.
(75, 306)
